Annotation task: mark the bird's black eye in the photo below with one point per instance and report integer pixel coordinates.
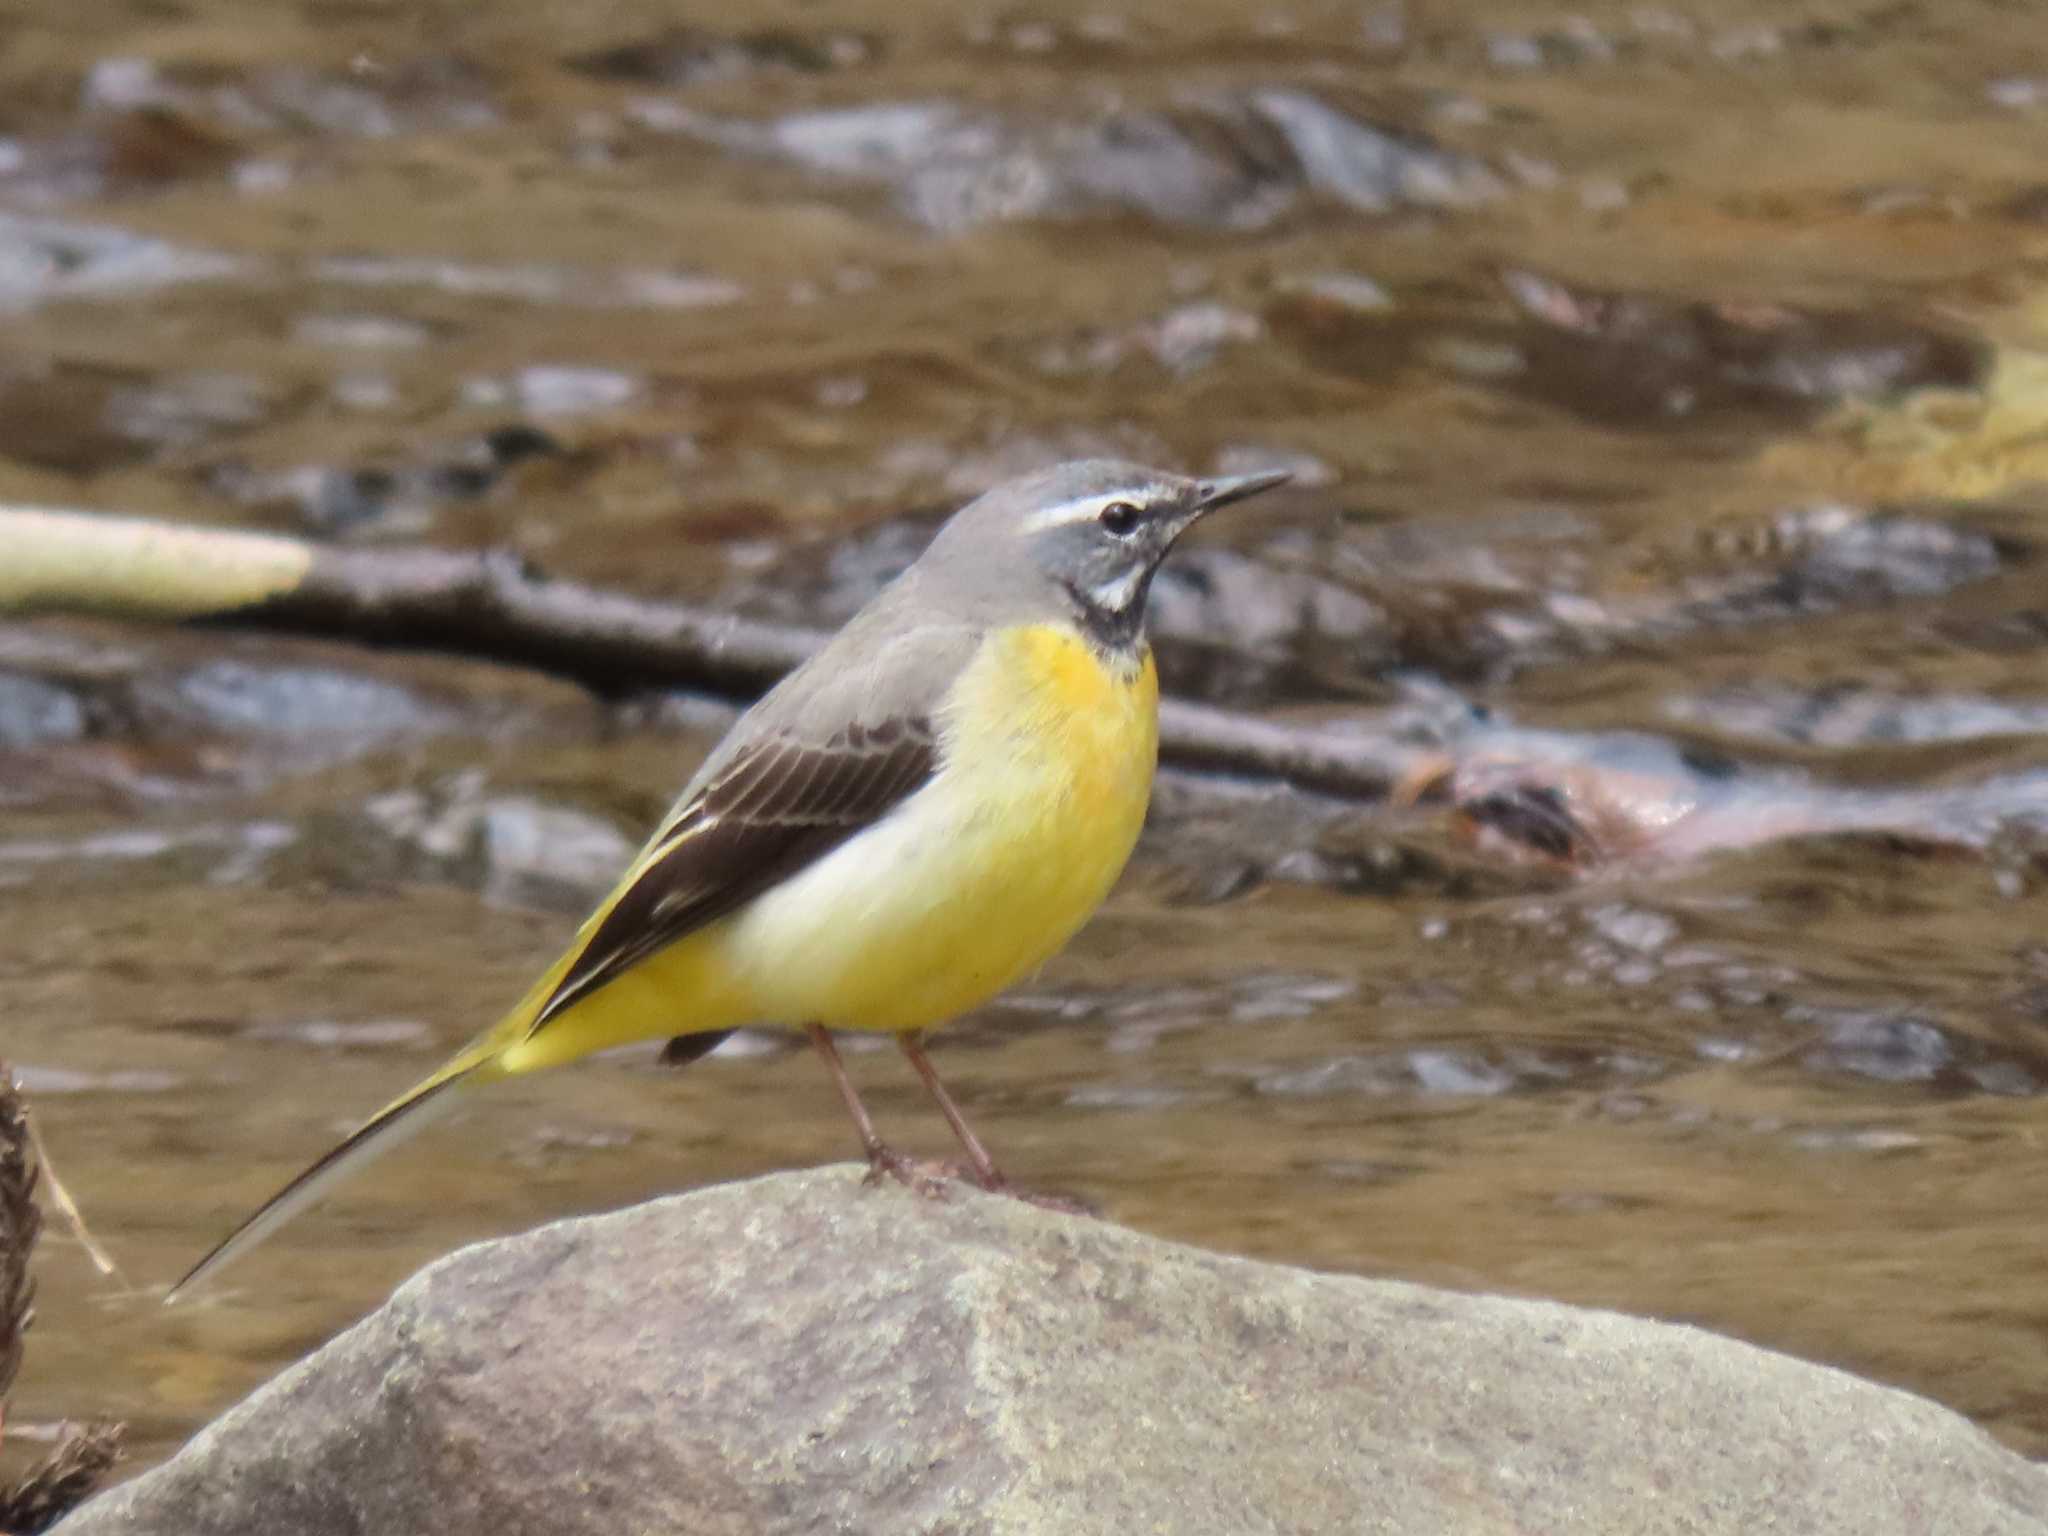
(1119, 518)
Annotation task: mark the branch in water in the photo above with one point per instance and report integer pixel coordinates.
(488, 605)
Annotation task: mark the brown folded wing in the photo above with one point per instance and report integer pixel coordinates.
(777, 806)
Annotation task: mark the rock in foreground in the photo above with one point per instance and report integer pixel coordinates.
(804, 1354)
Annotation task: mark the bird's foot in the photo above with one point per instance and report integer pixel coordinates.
(925, 1176)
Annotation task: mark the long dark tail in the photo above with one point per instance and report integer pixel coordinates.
(383, 1131)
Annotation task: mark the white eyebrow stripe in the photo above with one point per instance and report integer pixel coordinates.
(1081, 510)
(1085, 509)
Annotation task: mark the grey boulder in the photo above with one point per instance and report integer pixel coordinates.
(803, 1354)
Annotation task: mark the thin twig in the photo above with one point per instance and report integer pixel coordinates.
(101, 1259)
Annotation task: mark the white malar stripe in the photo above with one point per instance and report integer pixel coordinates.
(1117, 594)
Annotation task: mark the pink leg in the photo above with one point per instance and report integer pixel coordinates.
(882, 1159)
(986, 1174)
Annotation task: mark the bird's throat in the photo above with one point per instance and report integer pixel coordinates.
(1113, 621)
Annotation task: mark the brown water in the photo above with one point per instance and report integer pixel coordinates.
(1671, 447)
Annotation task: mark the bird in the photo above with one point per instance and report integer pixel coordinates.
(919, 815)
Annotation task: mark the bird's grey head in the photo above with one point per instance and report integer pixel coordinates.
(1082, 539)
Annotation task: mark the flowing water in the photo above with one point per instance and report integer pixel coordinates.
(1666, 388)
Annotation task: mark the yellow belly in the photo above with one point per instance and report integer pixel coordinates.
(1046, 763)
(1047, 758)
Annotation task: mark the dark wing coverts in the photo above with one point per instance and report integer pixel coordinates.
(778, 805)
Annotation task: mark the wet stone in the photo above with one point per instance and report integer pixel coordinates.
(1372, 167)
(2018, 93)
(364, 391)
(1375, 866)
(1148, 1097)
(517, 850)
(43, 260)
(1221, 161)
(686, 56)
(1502, 609)
(1351, 291)
(1286, 996)
(1849, 714)
(1899, 1048)
(372, 99)
(185, 409)
(361, 332)
(1229, 625)
(2008, 1079)
(329, 500)
(1575, 40)
(1220, 840)
(541, 855)
(1191, 337)
(384, 499)
(241, 698)
(1455, 1072)
(1830, 555)
(1898, 556)
(1514, 50)
(822, 581)
(553, 390)
(1716, 1048)
(34, 712)
(1185, 340)
(1634, 928)
(1638, 358)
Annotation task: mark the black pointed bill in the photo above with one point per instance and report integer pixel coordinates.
(1221, 493)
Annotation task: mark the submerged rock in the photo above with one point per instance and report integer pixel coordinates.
(33, 711)
(1229, 626)
(684, 55)
(1223, 161)
(45, 260)
(1639, 358)
(515, 849)
(804, 1354)
(382, 499)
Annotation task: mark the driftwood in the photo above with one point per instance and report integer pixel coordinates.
(39, 1498)
(489, 605)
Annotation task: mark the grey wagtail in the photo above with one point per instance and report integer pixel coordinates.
(922, 813)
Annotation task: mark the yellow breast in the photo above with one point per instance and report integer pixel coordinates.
(1047, 756)
(1060, 747)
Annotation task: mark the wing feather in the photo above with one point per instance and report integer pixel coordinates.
(776, 807)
